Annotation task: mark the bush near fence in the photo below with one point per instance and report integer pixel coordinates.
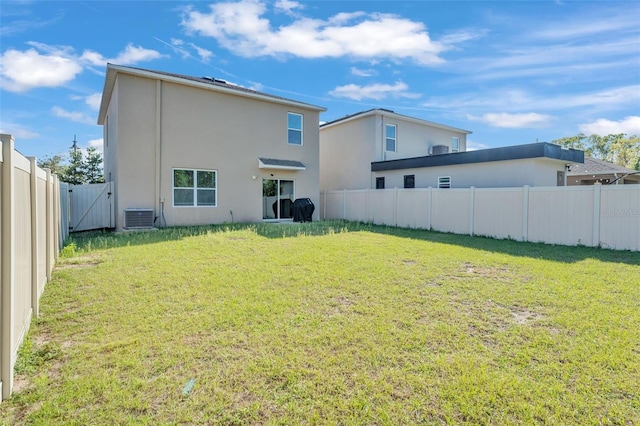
(32, 233)
(600, 216)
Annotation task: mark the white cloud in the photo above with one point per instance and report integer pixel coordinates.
(205, 55)
(518, 99)
(503, 119)
(17, 131)
(94, 100)
(373, 91)
(242, 28)
(474, 146)
(287, 6)
(25, 70)
(129, 56)
(45, 65)
(77, 117)
(97, 143)
(363, 73)
(629, 125)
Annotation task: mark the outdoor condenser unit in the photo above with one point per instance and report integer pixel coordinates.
(138, 218)
(440, 149)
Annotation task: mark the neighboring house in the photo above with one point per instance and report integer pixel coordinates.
(599, 171)
(349, 145)
(381, 149)
(182, 150)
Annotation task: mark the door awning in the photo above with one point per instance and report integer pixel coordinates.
(272, 163)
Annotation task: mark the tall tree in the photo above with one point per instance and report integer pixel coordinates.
(92, 166)
(75, 171)
(615, 148)
(55, 164)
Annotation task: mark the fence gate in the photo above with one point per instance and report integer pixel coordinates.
(91, 207)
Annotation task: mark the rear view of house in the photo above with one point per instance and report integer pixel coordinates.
(183, 150)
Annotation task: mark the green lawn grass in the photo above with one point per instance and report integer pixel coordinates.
(331, 323)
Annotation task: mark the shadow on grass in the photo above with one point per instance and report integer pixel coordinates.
(101, 240)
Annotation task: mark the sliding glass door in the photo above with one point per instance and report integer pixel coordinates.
(277, 199)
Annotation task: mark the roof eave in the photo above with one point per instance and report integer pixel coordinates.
(388, 113)
(113, 70)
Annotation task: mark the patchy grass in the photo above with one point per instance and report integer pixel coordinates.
(331, 323)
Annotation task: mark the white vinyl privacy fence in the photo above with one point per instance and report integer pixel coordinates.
(32, 232)
(599, 216)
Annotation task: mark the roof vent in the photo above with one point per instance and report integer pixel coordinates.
(138, 218)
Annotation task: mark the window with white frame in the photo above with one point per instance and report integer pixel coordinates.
(455, 144)
(294, 128)
(192, 188)
(444, 182)
(390, 137)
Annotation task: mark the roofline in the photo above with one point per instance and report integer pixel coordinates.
(515, 152)
(389, 113)
(113, 70)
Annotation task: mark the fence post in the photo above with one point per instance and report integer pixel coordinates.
(7, 261)
(35, 262)
(597, 195)
(525, 213)
(344, 204)
(472, 205)
(324, 206)
(395, 204)
(429, 207)
(49, 230)
(366, 205)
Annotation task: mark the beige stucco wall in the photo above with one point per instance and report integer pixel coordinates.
(348, 148)
(346, 153)
(495, 174)
(206, 130)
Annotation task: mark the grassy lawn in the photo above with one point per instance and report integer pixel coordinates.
(331, 323)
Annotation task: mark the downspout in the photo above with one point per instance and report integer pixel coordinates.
(158, 141)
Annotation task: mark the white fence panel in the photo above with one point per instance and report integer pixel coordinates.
(607, 216)
(356, 206)
(560, 216)
(414, 208)
(450, 211)
(498, 213)
(383, 207)
(620, 216)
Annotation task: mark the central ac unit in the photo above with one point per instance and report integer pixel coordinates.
(138, 218)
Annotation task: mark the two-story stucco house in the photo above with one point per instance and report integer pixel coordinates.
(350, 144)
(380, 149)
(182, 150)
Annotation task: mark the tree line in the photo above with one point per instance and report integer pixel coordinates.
(82, 168)
(618, 148)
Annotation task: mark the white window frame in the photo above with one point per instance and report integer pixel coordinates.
(301, 129)
(194, 187)
(444, 182)
(455, 144)
(394, 139)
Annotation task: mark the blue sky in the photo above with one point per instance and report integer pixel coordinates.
(512, 72)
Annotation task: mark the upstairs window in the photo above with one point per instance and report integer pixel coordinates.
(194, 188)
(294, 128)
(455, 144)
(380, 183)
(390, 137)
